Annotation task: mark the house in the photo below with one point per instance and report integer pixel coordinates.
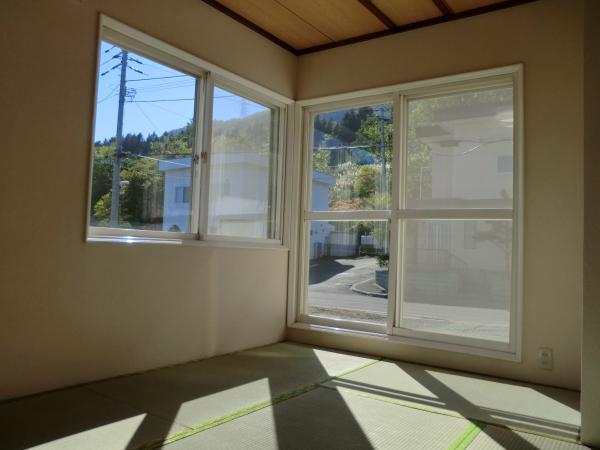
(181, 268)
(243, 198)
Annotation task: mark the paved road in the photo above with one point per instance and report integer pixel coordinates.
(331, 280)
(329, 288)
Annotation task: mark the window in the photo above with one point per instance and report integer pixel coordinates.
(411, 215)
(243, 167)
(351, 173)
(144, 141)
(180, 151)
(182, 194)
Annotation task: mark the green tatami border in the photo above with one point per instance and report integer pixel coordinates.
(248, 410)
(467, 436)
(574, 440)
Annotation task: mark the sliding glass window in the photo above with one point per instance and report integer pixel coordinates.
(410, 219)
(346, 220)
(244, 163)
(144, 142)
(457, 227)
(180, 152)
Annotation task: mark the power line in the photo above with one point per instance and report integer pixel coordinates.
(109, 95)
(147, 118)
(158, 78)
(172, 112)
(110, 59)
(166, 100)
(161, 68)
(164, 87)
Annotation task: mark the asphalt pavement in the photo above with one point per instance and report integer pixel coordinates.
(331, 294)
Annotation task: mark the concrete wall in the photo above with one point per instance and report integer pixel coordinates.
(73, 312)
(547, 37)
(590, 384)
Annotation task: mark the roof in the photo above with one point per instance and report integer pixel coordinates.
(166, 165)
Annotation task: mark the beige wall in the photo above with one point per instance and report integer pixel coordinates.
(547, 37)
(71, 312)
(590, 382)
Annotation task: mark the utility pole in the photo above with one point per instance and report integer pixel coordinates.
(116, 181)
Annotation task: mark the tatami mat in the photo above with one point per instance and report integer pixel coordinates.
(292, 396)
(194, 393)
(131, 411)
(518, 405)
(77, 419)
(494, 438)
(326, 419)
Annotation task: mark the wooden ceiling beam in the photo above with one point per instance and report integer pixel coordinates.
(373, 9)
(444, 7)
(235, 16)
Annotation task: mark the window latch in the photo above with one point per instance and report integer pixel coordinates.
(202, 156)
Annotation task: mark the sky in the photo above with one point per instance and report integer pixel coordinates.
(158, 99)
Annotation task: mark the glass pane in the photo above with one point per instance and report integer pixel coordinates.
(243, 167)
(460, 150)
(352, 158)
(457, 277)
(144, 136)
(348, 276)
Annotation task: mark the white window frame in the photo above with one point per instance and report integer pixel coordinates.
(207, 75)
(399, 95)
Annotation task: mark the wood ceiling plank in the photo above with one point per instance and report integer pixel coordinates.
(278, 20)
(403, 12)
(465, 5)
(337, 19)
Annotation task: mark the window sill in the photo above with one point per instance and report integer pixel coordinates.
(184, 242)
(403, 340)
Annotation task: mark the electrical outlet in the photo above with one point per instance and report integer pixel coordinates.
(545, 358)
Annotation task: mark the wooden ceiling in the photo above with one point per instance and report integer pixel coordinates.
(305, 26)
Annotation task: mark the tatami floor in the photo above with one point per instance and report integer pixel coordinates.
(292, 396)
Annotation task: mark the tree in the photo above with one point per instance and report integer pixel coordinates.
(499, 234)
(365, 184)
(346, 131)
(321, 159)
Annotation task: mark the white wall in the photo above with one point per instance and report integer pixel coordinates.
(72, 312)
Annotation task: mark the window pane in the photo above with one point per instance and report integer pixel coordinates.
(457, 277)
(149, 161)
(352, 155)
(348, 277)
(243, 168)
(460, 150)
